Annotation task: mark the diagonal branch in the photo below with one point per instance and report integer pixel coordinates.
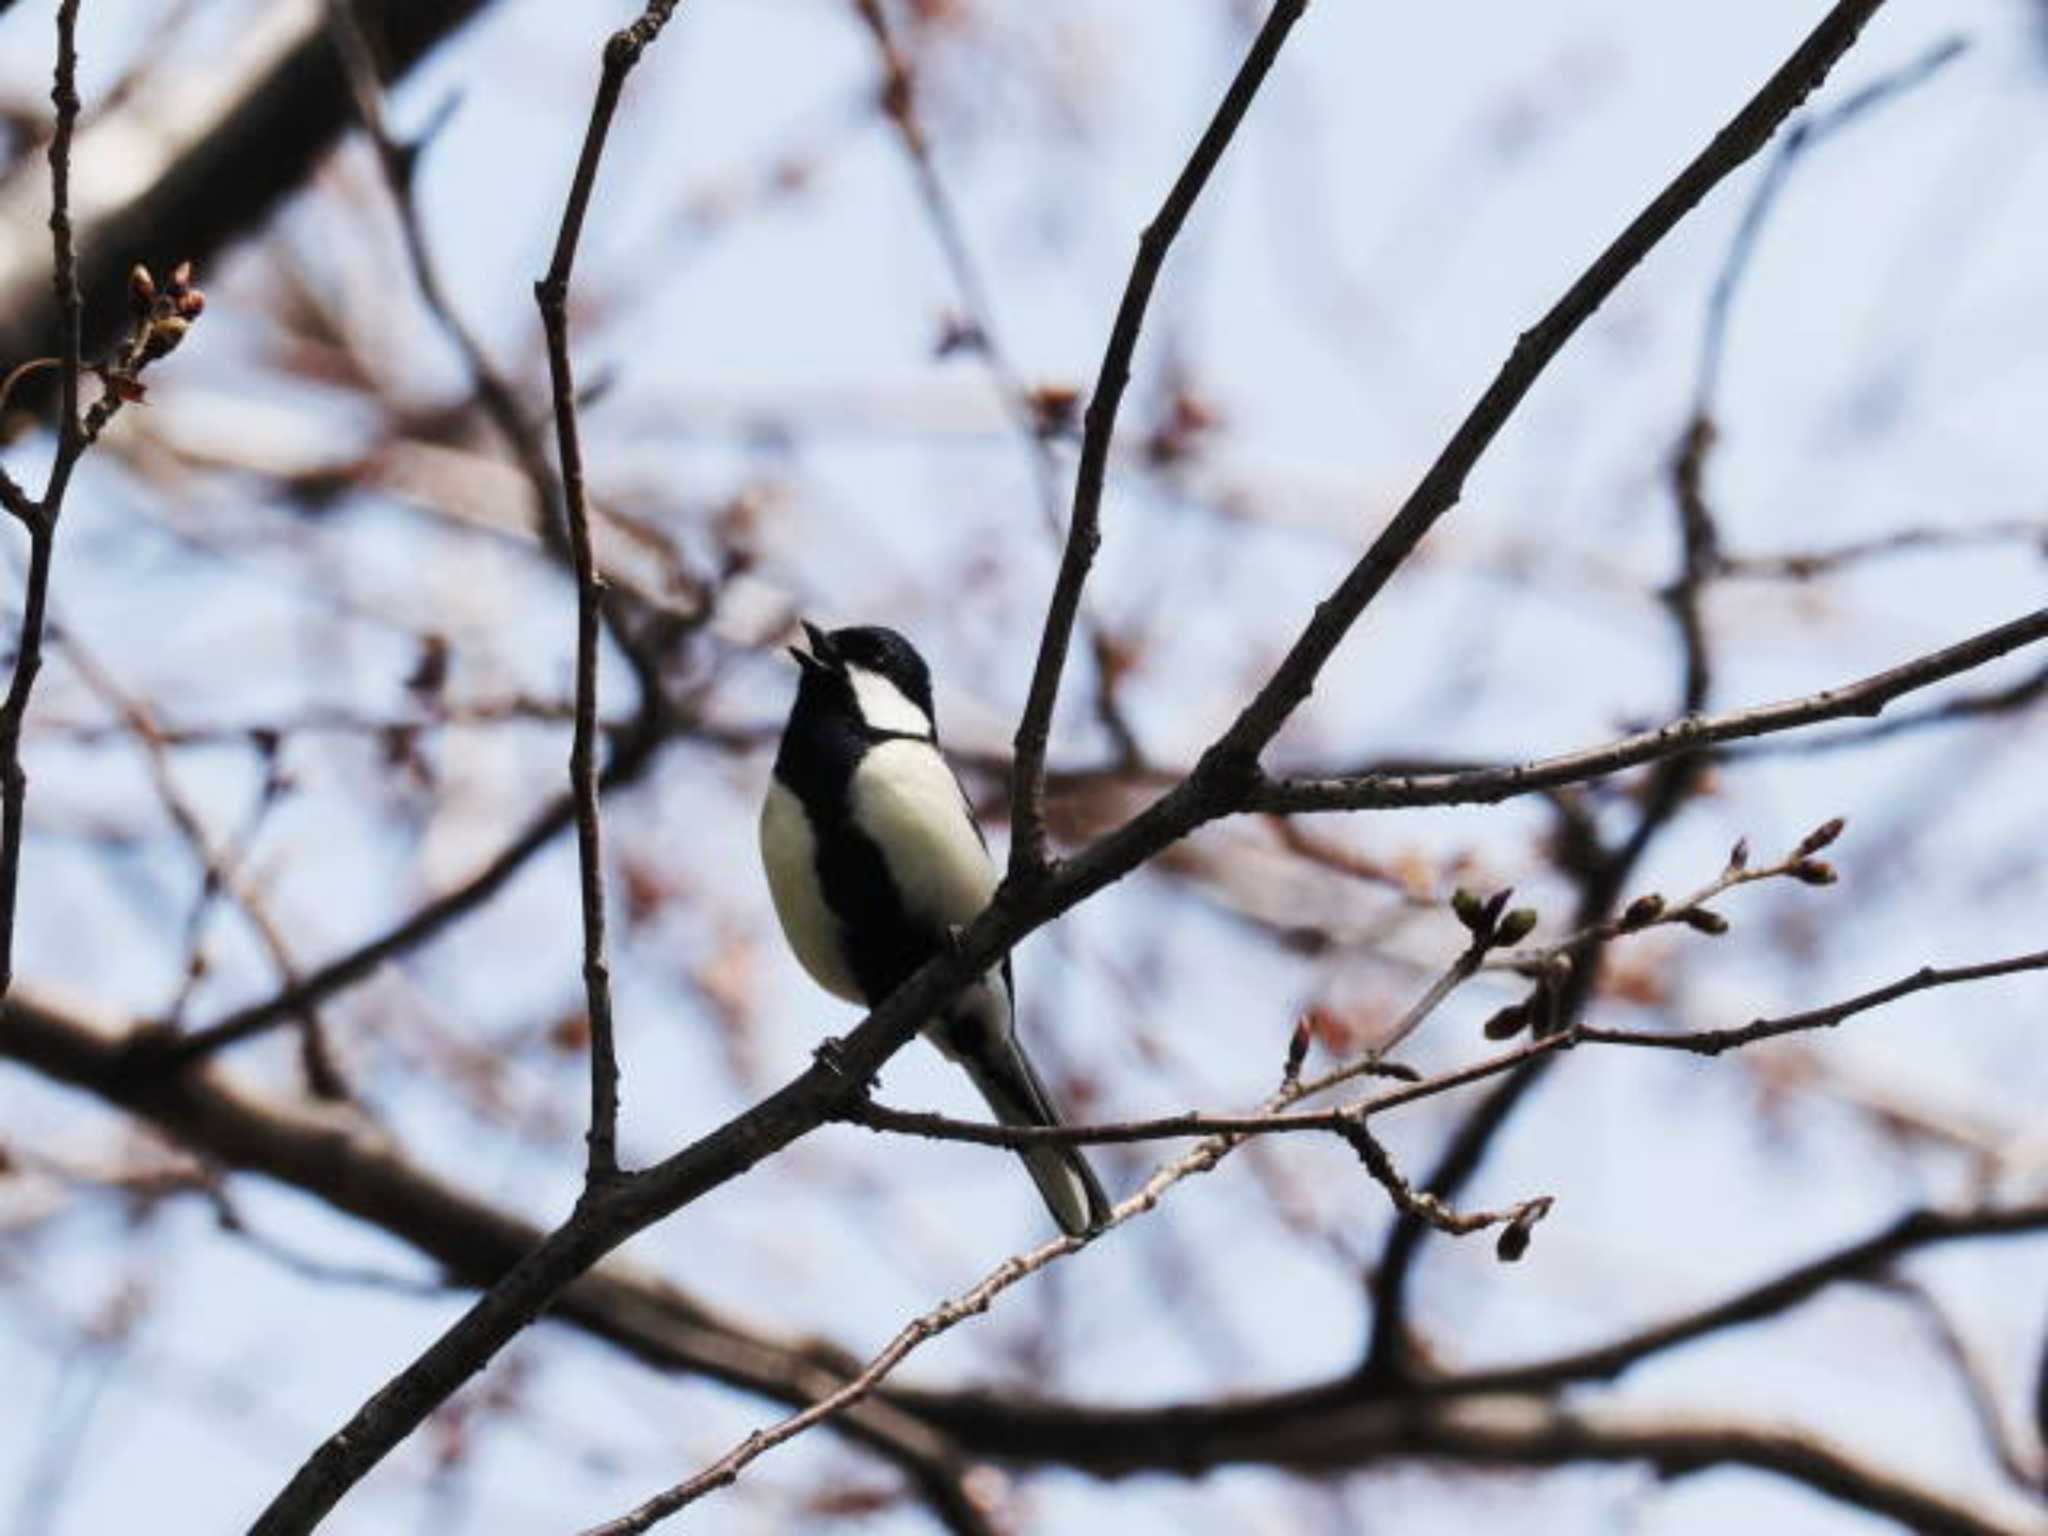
(632, 751)
(930, 1433)
(1443, 484)
(1029, 857)
(1220, 785)
(1689, 733)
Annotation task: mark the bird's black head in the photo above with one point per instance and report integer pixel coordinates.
(869, 673)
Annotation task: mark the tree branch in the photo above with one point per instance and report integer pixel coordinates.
(1218, 786)
(1443, 484)
(633, 750)
(552, 295)
(1029, 856)
(1689, 733)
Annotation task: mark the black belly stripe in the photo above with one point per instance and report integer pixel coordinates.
(882, 943)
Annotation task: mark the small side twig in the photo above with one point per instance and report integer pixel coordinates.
(1267, 1121)
(1029, 856)
(1518, 1218)
(552, 294)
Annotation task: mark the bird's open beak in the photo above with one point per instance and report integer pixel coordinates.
(820, 656)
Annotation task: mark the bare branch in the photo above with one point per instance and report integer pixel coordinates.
(1029, 857)
(221, 870)
(41, 517)
(1712, 1042)
(1443, 484)
(983, 336)
(632, 752)
(1864, 1259)
(1703, 1042)
(552, 294)
(350, 1166)
(1689, 733)
(1798, 139)
(1219, 786)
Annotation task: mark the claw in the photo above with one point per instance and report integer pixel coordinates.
(831, 1055)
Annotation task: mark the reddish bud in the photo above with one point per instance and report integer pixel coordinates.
(1513, 1241)
(1704, 920)
(1297, 1048)
(1814, 872)
(1507, 1023)
(1643, 911)
(1820, 837)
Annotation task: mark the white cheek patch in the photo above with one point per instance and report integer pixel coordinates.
(884, 706)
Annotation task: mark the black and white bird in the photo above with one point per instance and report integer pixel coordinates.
(874, 858)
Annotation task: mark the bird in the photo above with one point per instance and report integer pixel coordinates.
(875, 862)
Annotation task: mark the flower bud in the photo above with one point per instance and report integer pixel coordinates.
(1820, 837)
(1470, 909)
(1507, 1023)
(1516, 926)
(164, 336)
(1704, 920)
(1643, 911)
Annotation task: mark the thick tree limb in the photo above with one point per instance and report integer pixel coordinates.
(344, 1162)
(334, 1157)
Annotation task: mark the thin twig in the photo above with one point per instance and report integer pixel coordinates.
(494, 392)
(921, 1330)
(41, 517)
(1029, 856)
(632, 753)
(1799, 138)
(552, 295)
(64, 257)
(220, 869)
(984, 338)
(2026, 1466)
(1689, 733)
(1701, 1042)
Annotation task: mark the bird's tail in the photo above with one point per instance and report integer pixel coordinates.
(1016, 1097)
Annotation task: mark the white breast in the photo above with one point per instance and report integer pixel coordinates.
(789, 853)
(906, 799)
